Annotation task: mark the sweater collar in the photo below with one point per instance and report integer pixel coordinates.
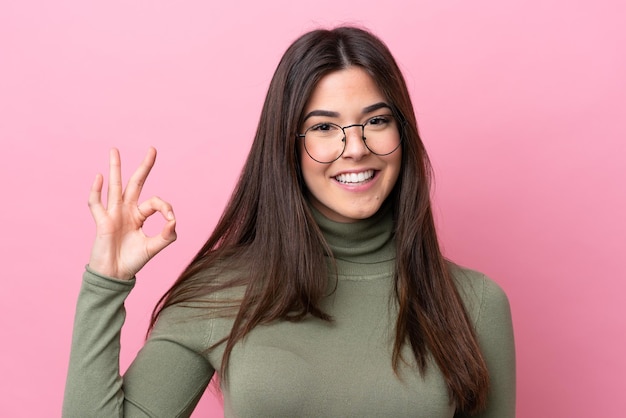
(365, 241)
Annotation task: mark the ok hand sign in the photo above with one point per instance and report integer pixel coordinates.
(121, 248)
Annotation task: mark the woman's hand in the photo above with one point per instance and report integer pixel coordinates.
(121, 248)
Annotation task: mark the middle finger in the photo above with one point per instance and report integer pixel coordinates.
(138, 179)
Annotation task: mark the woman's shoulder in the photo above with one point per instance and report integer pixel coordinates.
(481, 295)
(208, 297)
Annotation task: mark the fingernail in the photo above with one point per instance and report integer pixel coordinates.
(170, 215)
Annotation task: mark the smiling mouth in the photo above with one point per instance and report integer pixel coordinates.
(355, 178)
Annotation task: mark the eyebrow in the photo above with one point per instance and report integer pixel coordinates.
(331, 114)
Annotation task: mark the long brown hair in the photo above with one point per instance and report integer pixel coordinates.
(268, 223)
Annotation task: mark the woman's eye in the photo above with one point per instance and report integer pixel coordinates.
(378, 120)
(323, 127)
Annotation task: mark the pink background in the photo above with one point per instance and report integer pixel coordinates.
(521, 104)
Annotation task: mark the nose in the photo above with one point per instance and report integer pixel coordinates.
(355, 145)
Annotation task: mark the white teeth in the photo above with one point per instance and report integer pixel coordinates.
(355, 177)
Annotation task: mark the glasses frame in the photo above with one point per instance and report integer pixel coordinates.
(343, 129)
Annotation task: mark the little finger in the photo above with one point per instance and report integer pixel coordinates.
(95, 198)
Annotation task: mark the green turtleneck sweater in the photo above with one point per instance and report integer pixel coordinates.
(310, 368)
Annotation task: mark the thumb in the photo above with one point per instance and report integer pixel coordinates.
(164, 238)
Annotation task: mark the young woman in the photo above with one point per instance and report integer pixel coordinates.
(322, 291)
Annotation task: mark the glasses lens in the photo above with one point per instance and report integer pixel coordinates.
(381, 134)
(324, 142)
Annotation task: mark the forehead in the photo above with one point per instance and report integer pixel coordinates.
(344, 90)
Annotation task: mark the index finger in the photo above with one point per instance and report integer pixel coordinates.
(138, 179)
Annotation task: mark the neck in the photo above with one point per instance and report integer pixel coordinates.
(364, 241)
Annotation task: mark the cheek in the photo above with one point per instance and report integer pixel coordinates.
(395, 164)
(308, 167)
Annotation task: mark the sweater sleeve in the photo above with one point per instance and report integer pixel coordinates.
(494, 329)
(167, 378)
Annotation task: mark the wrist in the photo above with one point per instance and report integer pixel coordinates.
(107, 272)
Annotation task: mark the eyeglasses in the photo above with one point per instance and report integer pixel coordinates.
(325, 142)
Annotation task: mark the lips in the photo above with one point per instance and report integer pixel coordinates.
(355, 178)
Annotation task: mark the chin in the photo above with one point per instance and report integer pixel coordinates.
(347, 216)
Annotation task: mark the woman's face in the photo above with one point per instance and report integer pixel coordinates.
(355, 185)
